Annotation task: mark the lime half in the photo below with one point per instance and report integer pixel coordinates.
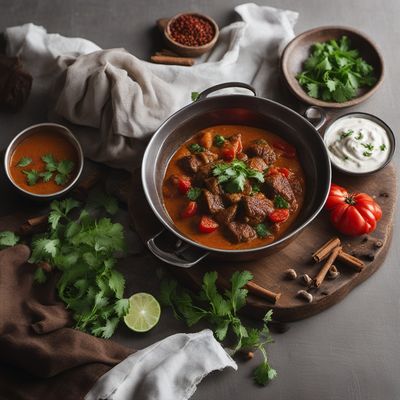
(144, 312)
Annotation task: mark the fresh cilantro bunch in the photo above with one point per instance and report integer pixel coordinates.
(233, 175)
(220, 311)
(84, 248)
(335, 72)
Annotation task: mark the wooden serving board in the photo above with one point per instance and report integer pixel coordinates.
(269, 271)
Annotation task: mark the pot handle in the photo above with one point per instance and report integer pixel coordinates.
(320, 120)
(225, 85)
(185, 255)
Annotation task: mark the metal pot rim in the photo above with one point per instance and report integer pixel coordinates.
(228, 251)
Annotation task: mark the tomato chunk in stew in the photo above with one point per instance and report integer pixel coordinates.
(234, 187)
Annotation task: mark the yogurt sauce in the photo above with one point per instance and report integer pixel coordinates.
(357, 144)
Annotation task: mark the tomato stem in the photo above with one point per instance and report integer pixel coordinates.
(350, 200)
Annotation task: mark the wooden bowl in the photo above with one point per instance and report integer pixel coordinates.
(190, 51)
(298, 50)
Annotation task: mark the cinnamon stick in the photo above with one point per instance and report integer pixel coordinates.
(162, 59)
(166, 52)
(351, 261)
(33, 225)
(324, 251)
(258, 290)
(325, 268)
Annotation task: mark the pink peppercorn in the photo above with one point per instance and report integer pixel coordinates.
(192, 30)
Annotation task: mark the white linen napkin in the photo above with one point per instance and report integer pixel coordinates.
(168, 370)
(117, 100)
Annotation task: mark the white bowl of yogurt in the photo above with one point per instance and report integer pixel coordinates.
(359, 143)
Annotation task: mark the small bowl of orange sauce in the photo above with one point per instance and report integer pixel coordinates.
(44, 161)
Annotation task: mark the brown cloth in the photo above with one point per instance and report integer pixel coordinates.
(15, 84)
(41, 356)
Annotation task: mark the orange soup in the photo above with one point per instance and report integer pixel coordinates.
(44, 163)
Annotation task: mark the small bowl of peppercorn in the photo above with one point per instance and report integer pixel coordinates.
(191, 34)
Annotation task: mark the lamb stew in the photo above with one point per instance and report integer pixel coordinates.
(234, 187)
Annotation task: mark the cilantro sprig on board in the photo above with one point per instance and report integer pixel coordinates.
(233, 175)
(83, 245)
(334, 71)
(8, 239)
(220, 311)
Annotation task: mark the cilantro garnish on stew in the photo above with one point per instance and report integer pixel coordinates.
(233, 175)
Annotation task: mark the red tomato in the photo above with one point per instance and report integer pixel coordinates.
(279, 170)
(288, 150)
(189, 210)
(280, 215)
(352, 214)
(184, 184)
(207, 225)
(228, 152)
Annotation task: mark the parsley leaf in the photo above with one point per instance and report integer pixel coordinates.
(84, 248)
(367, 154)
(219, 140)
(46, 176)
(382, 147)
(32, 176)
(346, 134)
(51, 163)
(8, 239)
(233, 175)
(220, 311)
(262, 230)
(39, 276)
(62, 169)
(359, 136)
(280, 202)
(193, 193)
(368, 146)
(264, 373)
(194, 96)
(335, 72)
(195, 148)
(24, 162)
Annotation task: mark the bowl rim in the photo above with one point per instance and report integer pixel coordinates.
(302, 95)
(65, 131)
(373, 118)
(177, 233)
(167, 32)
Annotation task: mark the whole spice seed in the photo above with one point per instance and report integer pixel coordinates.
(378, 244)
(306, 279)
(333, 273)
(305, 295)
(291, 274)
(192, 30)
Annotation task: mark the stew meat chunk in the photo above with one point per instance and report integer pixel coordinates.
(233, 181)
(212, 202)
(256, 208)
(240, 232)
(277, 184)
(261, 148)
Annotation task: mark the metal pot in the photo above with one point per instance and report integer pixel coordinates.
(241, 110)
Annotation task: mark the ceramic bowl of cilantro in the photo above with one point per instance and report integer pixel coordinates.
(44, 161)
(332, 67)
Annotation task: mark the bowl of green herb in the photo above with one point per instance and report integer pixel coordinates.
(332, 67)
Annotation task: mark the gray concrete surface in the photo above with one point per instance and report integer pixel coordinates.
(350, 352)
